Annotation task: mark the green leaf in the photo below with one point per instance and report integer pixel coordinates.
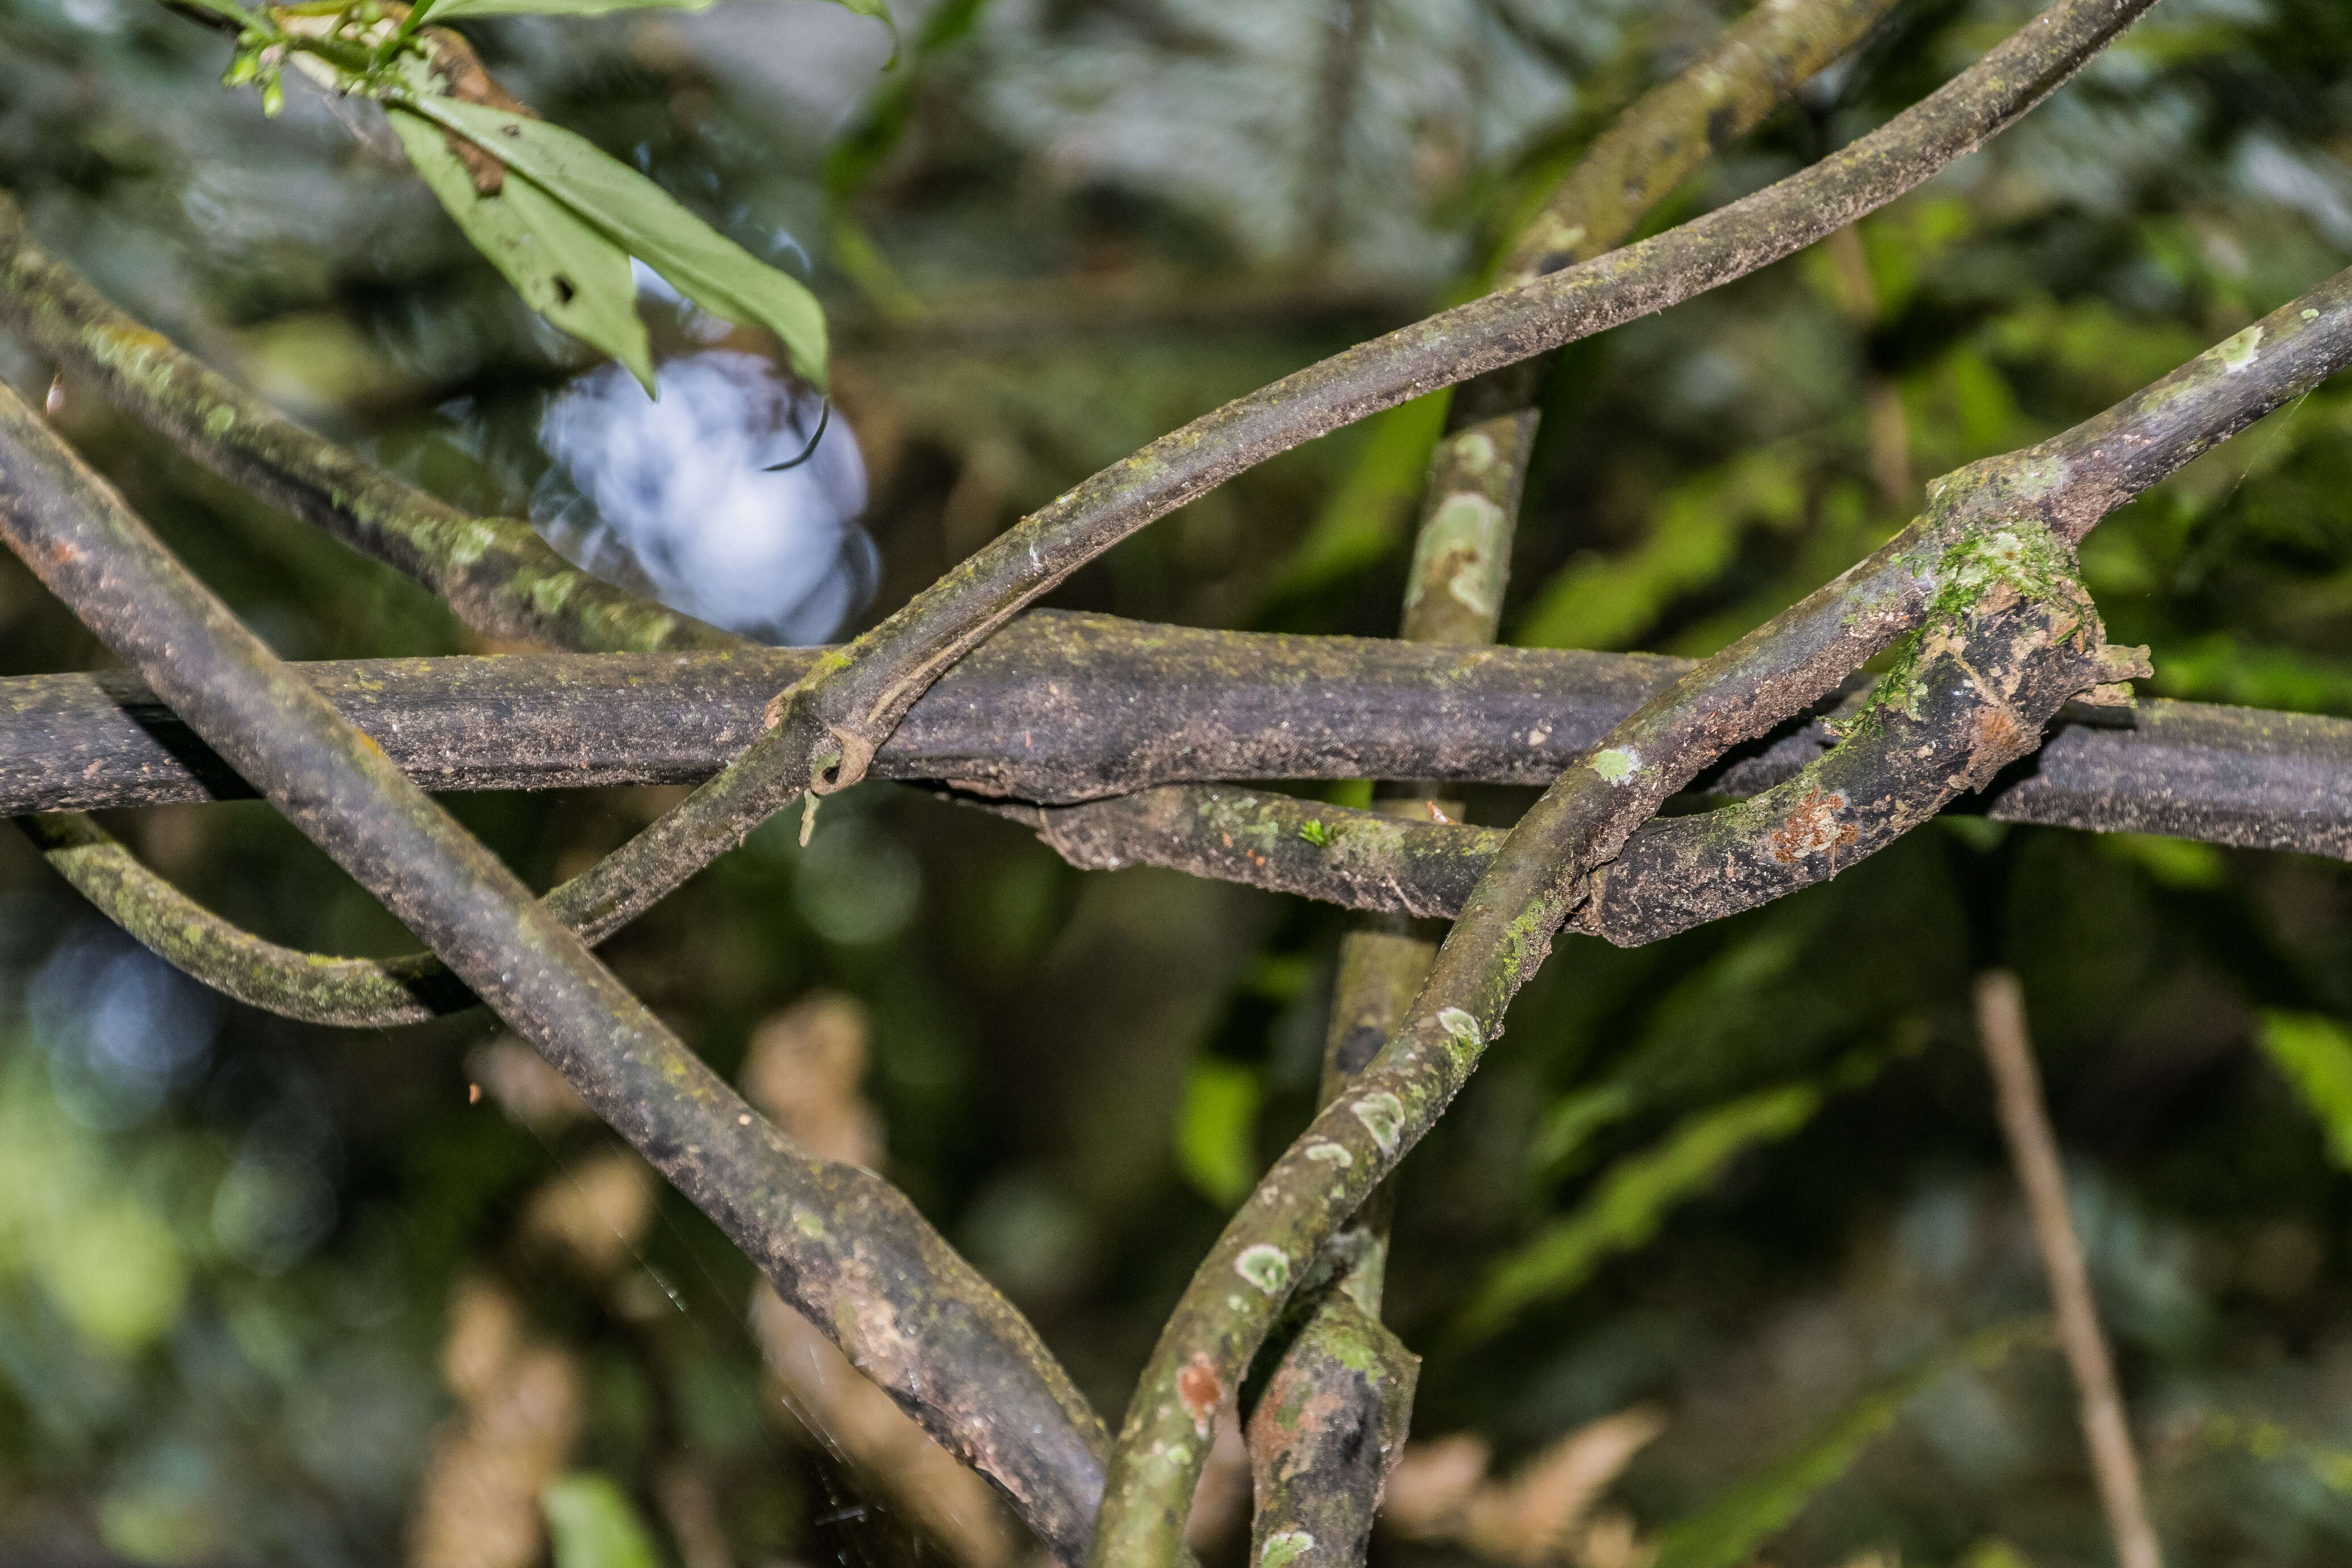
(631, 210)
(593, 1524)
(1695, 537)
(447, 9)
(1729, 1529)
(1571, 1122)
(1371, 509)
(2316, 1055)
(1632, 1200)
(563, 269)
(1216, 1130)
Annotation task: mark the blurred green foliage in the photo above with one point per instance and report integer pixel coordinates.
(1749, 1175)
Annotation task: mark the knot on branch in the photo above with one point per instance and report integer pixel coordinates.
(2010, 637)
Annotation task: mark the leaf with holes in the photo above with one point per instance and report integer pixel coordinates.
(637, 214)
(562, 268)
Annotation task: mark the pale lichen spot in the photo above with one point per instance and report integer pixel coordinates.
(1461, 1026)
(1285, 1548)
(220, 421)
(1552, 233)
(1331, 1154)
(1476, 451)
(1265, 1266)
(1617, 763)
(2309, 314)
(1459, 551)
(1382, 1114)
(2237, 351)
(809, 1224)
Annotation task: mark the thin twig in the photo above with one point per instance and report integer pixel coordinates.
(2032, 506)
(843, 1246)
(2034, 1150)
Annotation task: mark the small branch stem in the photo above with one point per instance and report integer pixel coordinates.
(2033, 1152)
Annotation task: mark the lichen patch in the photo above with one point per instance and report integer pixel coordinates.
(1382, 1114)
(1617, 763)
(2238, 353)
(1286, 1547)
(1813, 828)
(1265, 1266)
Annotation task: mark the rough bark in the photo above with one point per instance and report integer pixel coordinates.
(1062, 707)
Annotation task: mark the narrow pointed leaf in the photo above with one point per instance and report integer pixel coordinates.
(1630, 1201)
(704, 265)
(1738, 1521)
(2314, 1053)
(564, 269)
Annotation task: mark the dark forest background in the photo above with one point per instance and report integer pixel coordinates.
(1741, 1190)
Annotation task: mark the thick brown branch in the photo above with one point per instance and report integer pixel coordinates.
(2225, 776)
(1061, 708)
(500, 578)
(846, 1248)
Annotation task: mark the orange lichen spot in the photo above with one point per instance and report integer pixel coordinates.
(1200, 1390)
(1813, 828)
(1997, 732)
